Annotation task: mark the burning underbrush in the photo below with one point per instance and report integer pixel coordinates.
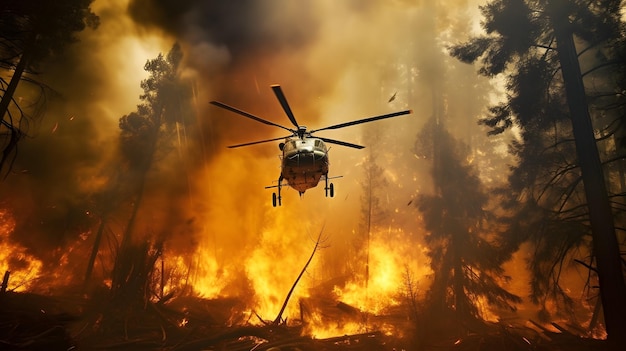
(174, 302)
(171, 301)
(97, 322)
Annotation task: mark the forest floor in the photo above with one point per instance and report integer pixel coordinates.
(37, 322)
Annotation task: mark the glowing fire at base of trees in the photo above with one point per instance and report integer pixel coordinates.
(22, 268)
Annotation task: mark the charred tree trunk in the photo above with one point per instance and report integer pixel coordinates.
(7, 97)
(125, 268)
(15, 79)
(104, 218)
(5, 282)
(460, 305)
(94, 252)
(125, 261)
(605, 245)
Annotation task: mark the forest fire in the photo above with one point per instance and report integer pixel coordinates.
(389, 269)
(127, 224)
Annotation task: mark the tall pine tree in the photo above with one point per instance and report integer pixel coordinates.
(534, 44)
(465, 245)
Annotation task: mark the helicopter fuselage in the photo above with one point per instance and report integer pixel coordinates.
(304, 162)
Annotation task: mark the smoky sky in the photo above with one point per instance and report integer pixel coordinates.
(243, 25)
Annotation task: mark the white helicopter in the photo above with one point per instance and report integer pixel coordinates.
(304, 158)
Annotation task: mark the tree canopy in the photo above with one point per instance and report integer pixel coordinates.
(30, 32)
(557, 189)
(466, 245)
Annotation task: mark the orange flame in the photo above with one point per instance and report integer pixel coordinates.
(391, 257)
(23, 267)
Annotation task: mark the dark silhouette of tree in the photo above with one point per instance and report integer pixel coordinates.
(146, 137)
(140, 134)
(30, 32)
(373, 213)
(465, 245)
(533, 43)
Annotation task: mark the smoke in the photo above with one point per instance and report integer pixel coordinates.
(67, 156)
(336, 61)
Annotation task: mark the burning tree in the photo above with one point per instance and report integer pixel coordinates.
(559, 187)
(143, 131)
(373, 213)
(465, 247)
(147, 137)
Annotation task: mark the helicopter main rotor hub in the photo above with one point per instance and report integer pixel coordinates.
(301, 131)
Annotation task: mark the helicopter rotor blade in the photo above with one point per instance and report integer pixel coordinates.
(283, 102)
(256, 142)
(249, 115)
(342, 143)
(364, 120)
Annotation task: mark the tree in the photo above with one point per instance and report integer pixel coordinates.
(31, 31)
(465, 246)
(546, 93)
(373, 214)
(145, 138)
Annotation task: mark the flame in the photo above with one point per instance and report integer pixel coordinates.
(391, 255)
(393, 268)
(484, 309)
(208, 280)
(24, 269)
(251, 250)
(255, 252)
(319, 327)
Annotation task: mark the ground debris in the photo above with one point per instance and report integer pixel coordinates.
(510, 338)
(35, 322)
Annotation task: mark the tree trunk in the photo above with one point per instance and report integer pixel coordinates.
(94, 251)
(7, 97)
(15, 79)
(124, 263)
(605, 245)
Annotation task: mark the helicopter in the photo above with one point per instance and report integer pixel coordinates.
(304, 160)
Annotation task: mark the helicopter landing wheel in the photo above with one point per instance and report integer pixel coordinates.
(330, 190)
(276, 200)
